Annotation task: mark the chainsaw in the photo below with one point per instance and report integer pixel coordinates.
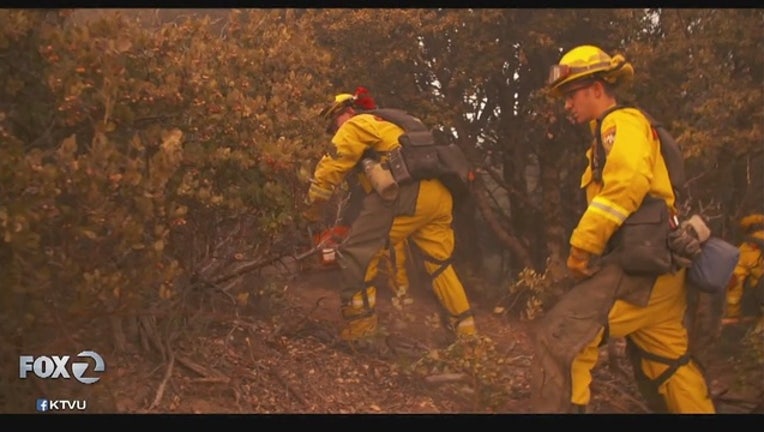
(325, 244)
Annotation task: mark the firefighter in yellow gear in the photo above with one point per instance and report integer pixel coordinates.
(421, 211)
(606, 301)
(749, 269)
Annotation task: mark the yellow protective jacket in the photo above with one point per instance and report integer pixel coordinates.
(359, 133)
(750, 265)
(634, 168)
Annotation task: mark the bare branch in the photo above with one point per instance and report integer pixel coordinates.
(515, 246)
(163, 384)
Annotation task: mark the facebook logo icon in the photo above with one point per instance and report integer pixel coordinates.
(42, 405)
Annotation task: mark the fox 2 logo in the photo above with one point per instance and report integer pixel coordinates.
(55, 367)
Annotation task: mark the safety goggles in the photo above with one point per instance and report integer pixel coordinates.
(569, 89)
(559, 72)
(331, 113)
(333, 109)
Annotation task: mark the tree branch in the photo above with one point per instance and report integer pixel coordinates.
(510, 241)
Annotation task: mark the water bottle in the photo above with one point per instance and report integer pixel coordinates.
(381, 179)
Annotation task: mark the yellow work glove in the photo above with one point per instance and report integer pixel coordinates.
(578, 263)
(317, 197)
(313, 213)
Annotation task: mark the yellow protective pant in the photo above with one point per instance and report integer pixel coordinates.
(430, 228)
(658, 329)
(422, 214)
(398, 266)
(395, 267)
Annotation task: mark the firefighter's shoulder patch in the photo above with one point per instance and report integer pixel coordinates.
(608, 138)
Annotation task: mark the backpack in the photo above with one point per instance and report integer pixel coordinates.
(422, 155)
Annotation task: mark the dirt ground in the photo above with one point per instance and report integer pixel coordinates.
(240, 359)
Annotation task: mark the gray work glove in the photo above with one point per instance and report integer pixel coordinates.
(684, 246)
(697, 228)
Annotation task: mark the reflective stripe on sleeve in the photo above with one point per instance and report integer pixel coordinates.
(608, 209)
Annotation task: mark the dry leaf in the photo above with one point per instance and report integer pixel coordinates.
(242, 298)
(123, 45)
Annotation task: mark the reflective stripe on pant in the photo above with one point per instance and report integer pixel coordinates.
(657, 329)
(395, 263)
(398, 255)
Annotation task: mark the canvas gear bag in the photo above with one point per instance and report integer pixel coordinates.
(422, 155)
(712, 269)
(640, 246)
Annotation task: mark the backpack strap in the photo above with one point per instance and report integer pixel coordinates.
(599, 156)
(672, 154)
(401, 118)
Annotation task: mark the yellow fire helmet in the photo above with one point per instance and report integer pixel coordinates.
(341, 101)
(748, 222)
(360, 100)
(587, 62)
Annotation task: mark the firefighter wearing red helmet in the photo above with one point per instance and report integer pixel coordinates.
(420, 211)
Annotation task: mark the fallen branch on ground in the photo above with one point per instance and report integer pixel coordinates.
(290, 389)
(446, 378)
(211, 380)
(201, 370)
(163, 384)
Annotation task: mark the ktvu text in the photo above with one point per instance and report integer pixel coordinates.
(45, 405)
(55, 367)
